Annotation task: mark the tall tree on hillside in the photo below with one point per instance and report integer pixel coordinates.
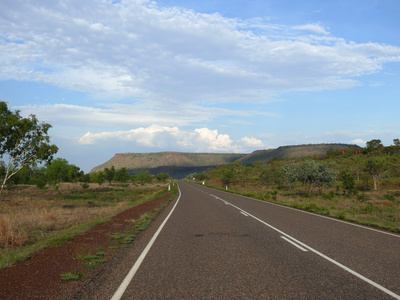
(24, 141)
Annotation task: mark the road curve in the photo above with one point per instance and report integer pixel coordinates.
(216, 245)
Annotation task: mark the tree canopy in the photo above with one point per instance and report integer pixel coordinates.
(24, 141)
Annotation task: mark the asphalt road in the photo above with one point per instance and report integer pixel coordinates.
(217, 245)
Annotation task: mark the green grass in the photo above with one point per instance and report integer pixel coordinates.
(72, 276)
(123, 239)
(92, 261)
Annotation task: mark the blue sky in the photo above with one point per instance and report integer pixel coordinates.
(202, 76)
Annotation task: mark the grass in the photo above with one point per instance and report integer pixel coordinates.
(378, 209)
(72, 276)
(33, 219)
(122, 239)
(92, 261)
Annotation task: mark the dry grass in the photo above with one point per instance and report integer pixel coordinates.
(28, 214)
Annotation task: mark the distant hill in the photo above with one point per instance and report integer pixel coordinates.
(297, 151)
(149, 161)
(181, 164)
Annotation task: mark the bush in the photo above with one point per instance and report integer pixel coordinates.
(40, 183)
(390, 197)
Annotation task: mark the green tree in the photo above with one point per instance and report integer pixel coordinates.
(98, 177)
(377, 167)
(163, 176)
(59, 170)
(227, 175)
(25, 141)
(311, 174)
(144, 176)
(396, 142)
(374, 144)
(348, 182)
(122, 175)
(109, 174)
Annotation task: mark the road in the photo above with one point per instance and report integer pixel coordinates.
(217, 245)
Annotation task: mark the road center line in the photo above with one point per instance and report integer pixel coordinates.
(378, 286)
(121, 290)
(294, 244)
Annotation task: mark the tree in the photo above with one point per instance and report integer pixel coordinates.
(374, 144)
(59, 170)
(162, 176)
(24, 141)
(348, 182)
(122, 175)
(144, 176)
(98, 177)
(396, 142)
(377, 167)
(109, 174)
(227, 175)
(310, 173)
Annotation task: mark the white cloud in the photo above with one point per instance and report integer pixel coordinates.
(78, 117)
(313, 27)
(252, 142)
(164, 137)
(135, 48)
(359, 142)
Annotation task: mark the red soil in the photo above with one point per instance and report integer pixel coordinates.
(39, 277)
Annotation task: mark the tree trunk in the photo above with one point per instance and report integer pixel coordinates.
(375, 179)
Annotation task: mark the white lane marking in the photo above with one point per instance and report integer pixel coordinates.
(317, 215)
(244, 214)
(121, 290)
(294, 244)
(378, 286)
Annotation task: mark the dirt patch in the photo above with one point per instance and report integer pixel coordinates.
(39, 277)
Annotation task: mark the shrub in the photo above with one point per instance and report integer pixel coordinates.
(390, 197)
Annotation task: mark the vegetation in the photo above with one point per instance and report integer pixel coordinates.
(356, 184)
(24, 141)
(34, 218)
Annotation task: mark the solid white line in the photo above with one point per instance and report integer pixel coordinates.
(118, 294)
(294, 244)
(378, 286)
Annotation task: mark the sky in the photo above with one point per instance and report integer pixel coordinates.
(202, 75)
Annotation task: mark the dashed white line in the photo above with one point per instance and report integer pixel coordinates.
(378, 286)
(294, 244)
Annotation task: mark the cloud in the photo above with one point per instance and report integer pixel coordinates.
(313, 27)
(172, 55)
(164, 137)
(77, 118)
(252, 142)
(359, 142)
